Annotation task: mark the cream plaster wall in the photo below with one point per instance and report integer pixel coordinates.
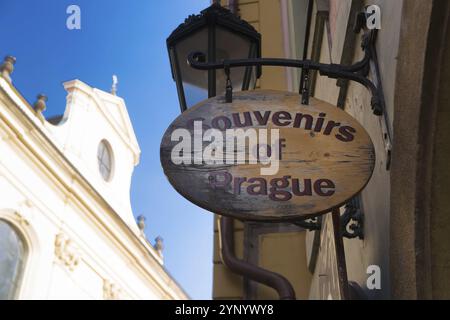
(83, 242)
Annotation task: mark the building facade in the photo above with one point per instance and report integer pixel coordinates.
(402, 249)
(67, 230)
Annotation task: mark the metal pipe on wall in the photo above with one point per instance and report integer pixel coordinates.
(226, 234)
(255, 273)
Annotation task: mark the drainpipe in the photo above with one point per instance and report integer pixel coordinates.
(271, 279)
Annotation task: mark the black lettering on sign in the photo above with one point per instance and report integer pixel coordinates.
(281, 189)
(319, 124)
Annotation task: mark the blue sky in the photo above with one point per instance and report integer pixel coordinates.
(126, 38)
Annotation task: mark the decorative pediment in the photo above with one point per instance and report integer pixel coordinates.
(114, 111)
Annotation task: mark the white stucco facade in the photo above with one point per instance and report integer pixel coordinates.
(81, 238)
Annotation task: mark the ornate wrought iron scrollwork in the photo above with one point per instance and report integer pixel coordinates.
(311, 224)
(352, 220)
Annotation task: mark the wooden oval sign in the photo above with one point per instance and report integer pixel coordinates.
(267, 157)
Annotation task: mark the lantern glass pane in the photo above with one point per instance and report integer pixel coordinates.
(195, 82)
(230, 45)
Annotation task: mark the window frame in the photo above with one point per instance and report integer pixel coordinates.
(18, 286)
(107, 148)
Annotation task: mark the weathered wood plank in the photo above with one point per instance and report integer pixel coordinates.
(326, 157)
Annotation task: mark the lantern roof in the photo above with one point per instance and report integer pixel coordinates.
(213, 14)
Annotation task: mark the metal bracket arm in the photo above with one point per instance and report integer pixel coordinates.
(356, 72)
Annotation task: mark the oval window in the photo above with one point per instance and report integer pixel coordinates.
(105, 160)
